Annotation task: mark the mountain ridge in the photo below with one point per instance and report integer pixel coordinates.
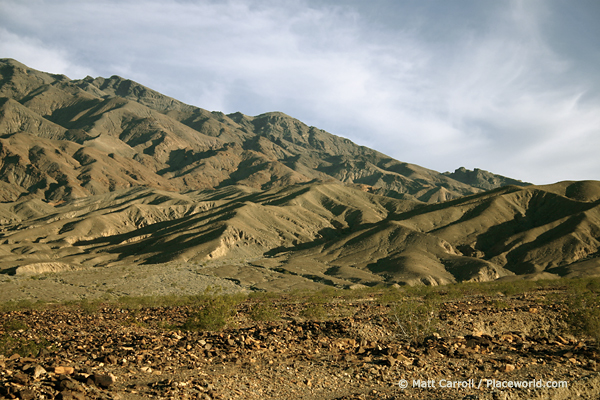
(190, 147)
(104, 172)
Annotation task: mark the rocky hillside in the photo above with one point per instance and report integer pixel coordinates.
(483, 179)
(108, 173)
(64, 139)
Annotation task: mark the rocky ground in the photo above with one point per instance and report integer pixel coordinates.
(301, 347)
(112, 283)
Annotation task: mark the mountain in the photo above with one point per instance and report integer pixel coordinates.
(100, 173)
(483, 179)
(65, 139)
(313, 234)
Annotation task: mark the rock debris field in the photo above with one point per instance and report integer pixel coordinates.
(334, 345)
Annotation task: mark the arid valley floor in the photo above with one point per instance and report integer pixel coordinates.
(310, 345)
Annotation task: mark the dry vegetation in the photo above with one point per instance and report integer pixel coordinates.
(331, 344)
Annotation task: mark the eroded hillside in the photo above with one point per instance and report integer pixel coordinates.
(313, 234)
(106, 173)
(62, 139)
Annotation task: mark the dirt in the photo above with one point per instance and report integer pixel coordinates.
(352, 349)
(113, 282)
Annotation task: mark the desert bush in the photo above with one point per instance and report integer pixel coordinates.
(500, 304)
(10, 345)
(583, 315)
(90, 307)
(15, 325)
(264, 295)
(215, 312)
(264, 312)
(21, 305)
(415, 320)
(138, 302)
(582, 285)
(390, 296)
(314, 311)
(593, 285)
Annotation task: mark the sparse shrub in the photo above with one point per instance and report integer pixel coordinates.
(392, 295)
(433, 295)
(10, 345)
(15, 325)
(323, 296)
(264, 295)
(584, 315)
(215, 313)
(264, 312)
(593, 285)
(90, 307)
(314, 311)
(415, 320)
(500, 304)
(132, 321)
(20, 305)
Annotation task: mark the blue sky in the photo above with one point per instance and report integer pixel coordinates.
(512, 87)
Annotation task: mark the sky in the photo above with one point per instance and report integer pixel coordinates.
(511, 87)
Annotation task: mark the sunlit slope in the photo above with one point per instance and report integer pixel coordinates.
(100, 172)
(157, 141)
(328, 233)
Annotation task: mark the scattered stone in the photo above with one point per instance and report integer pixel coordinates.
(64, 370)
(26, 394)
(66, 395)
(562, 340)
(21, 378)
(360, 357)
(104, 381)
(419, 362)
(38, 371)
(390, 361)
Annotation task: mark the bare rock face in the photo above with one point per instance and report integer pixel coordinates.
(40, 268)
(483, 179)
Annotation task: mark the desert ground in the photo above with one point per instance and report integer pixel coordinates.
(328, 344)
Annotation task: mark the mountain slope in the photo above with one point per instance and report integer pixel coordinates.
(318, 233)
(105, 172)
(174, 146)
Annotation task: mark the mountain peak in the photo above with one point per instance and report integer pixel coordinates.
(483, 179)
(117, 133)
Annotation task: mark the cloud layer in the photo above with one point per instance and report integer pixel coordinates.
(441, 85)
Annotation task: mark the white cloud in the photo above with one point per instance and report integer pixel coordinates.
(35, 54)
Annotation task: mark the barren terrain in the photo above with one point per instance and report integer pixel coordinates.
(319, 345)
(99, 173)
(153, 249)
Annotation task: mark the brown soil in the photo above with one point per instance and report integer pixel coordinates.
(352, 349)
